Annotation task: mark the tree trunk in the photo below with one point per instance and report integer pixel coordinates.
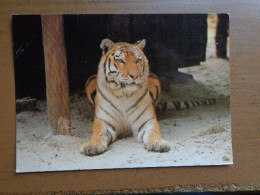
(57, 86)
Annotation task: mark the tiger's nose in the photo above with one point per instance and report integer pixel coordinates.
(134, 76)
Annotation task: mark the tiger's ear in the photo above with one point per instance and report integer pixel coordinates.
(106, 45)
(140, 44)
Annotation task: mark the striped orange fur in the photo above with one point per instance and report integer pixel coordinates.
(124, 94)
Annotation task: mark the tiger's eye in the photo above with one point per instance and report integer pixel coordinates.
(120, 61)
(138, 61)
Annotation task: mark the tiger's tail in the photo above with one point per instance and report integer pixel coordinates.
(180, 105)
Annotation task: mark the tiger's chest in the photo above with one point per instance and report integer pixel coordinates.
(121, 112)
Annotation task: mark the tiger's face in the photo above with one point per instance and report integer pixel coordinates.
(125, 65)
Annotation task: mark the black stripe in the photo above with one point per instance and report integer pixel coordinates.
(107, 123)
(151, 94)
(177, 105)
(108, 101)
(113, 72)
(111, 137)
(104, 65)
(214, 100)
(119, 53)
(137, 101)
(142, 137)
(193, 104)
(144, 124)
(141, 113)
(157, 92)
(187, 105)
(112, 81)
(93, 96)
(109, 65)
(198, 103)
(107, 113)
(109, 61)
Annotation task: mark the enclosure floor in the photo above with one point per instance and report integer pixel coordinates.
(188, 132)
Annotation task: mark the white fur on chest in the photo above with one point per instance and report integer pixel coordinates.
(122, 99)
(120, 111)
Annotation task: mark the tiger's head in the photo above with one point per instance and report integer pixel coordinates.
(123, 65)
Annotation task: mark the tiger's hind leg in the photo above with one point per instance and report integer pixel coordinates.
(103, 134)
(155, 89)
(91, 89)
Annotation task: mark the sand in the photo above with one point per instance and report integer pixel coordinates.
(199, 136)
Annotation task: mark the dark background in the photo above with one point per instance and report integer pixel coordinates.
(172, 41)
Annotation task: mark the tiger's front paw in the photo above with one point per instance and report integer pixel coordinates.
(93, 147)
(160, 145)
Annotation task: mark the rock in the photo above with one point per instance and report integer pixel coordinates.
(213, 130)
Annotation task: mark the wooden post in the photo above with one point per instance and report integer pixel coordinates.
(221, 35)
(57, 86)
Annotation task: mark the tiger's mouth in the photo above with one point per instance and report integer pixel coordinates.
(124, 84)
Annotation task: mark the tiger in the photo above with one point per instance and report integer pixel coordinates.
(124, 94)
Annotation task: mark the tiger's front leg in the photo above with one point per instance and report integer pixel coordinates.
(150, 135)
(102, 135)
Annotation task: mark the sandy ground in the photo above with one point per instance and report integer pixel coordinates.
(199, 136)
